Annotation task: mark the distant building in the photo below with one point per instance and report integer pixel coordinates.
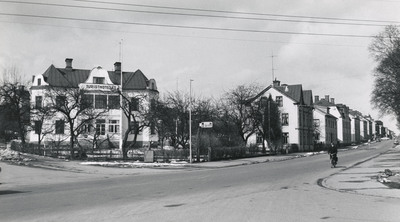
(325, 126)
(341, 112)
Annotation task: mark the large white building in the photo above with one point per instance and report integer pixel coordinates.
(100, 91)
(296, 110)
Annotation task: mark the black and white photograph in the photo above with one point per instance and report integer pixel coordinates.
(199, 110)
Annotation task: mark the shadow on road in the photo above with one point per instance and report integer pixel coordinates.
(5, 192)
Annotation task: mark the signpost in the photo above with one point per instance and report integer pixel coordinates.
(206, 124)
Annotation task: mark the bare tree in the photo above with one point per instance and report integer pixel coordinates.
(40, 114)
(234, 106)
(137, 110)
(75, 110)
(385, 48)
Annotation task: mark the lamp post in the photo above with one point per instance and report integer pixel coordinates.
(190, 120)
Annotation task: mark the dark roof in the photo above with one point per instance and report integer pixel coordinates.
(295, 92)
(67, 77)
(308, 97)
(323, 102)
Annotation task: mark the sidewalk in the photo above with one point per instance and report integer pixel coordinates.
(362, 178)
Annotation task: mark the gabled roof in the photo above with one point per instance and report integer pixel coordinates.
(67, 77)
(324, 111)
(308, 97)
(294, 92)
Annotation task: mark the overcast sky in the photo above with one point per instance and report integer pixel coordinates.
(322, 44)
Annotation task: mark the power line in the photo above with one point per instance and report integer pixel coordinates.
(236, 12)
(187, 27)
(196, 15)
(186, 36)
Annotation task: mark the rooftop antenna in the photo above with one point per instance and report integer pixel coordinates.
(273, 69)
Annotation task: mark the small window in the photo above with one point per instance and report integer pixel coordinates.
(113, 126)
(38, 102)
(98, 80)
(100, 101)
(134, 104)
(39, 82)
(60, 126)
(285, 119)
(38, 127)
(87, 100)
(60, 101)
(285, 138)
(279, 101)
(113, 102)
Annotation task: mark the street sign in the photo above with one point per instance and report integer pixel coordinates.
(206, 124)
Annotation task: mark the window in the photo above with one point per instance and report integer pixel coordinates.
(113, 126)
(38, 102)
(152, 129)
(113, 102)
(134, 127)
(134, 104)
(87, 100)
(285, 119)
(39, 82)
(259, 138)
(60, 126)
(98, 80)
(316, 123)
(60, 101)
(100, 126)
(285, 138)
(38, 127)
(101, 101)
(279, 101)
(88, 126)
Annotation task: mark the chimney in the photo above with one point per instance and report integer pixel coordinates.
(117, 67)
(276, 83)
(327, 98)
(316, 99)
(68, 63)
(332, 100)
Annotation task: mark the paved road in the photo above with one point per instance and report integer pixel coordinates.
(275, 191)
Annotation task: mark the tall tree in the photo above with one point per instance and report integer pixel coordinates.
(75, 109)
(268, 122)
(234, 109)
(14, 98)
(138, 110)
(385, 48)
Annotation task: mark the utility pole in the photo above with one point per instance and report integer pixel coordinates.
(190, 120)
(120, 98)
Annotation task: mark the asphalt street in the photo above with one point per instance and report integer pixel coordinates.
(297, 189)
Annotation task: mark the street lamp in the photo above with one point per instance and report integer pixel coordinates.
(190, 120)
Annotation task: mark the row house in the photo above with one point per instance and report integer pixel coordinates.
(100, 92)
(355, 126)
(325, 125)
(296, 114)
(341, 113)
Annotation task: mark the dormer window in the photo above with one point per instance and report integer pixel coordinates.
(39, 82)
(98, 80)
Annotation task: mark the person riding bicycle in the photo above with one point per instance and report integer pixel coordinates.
(332, 152)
